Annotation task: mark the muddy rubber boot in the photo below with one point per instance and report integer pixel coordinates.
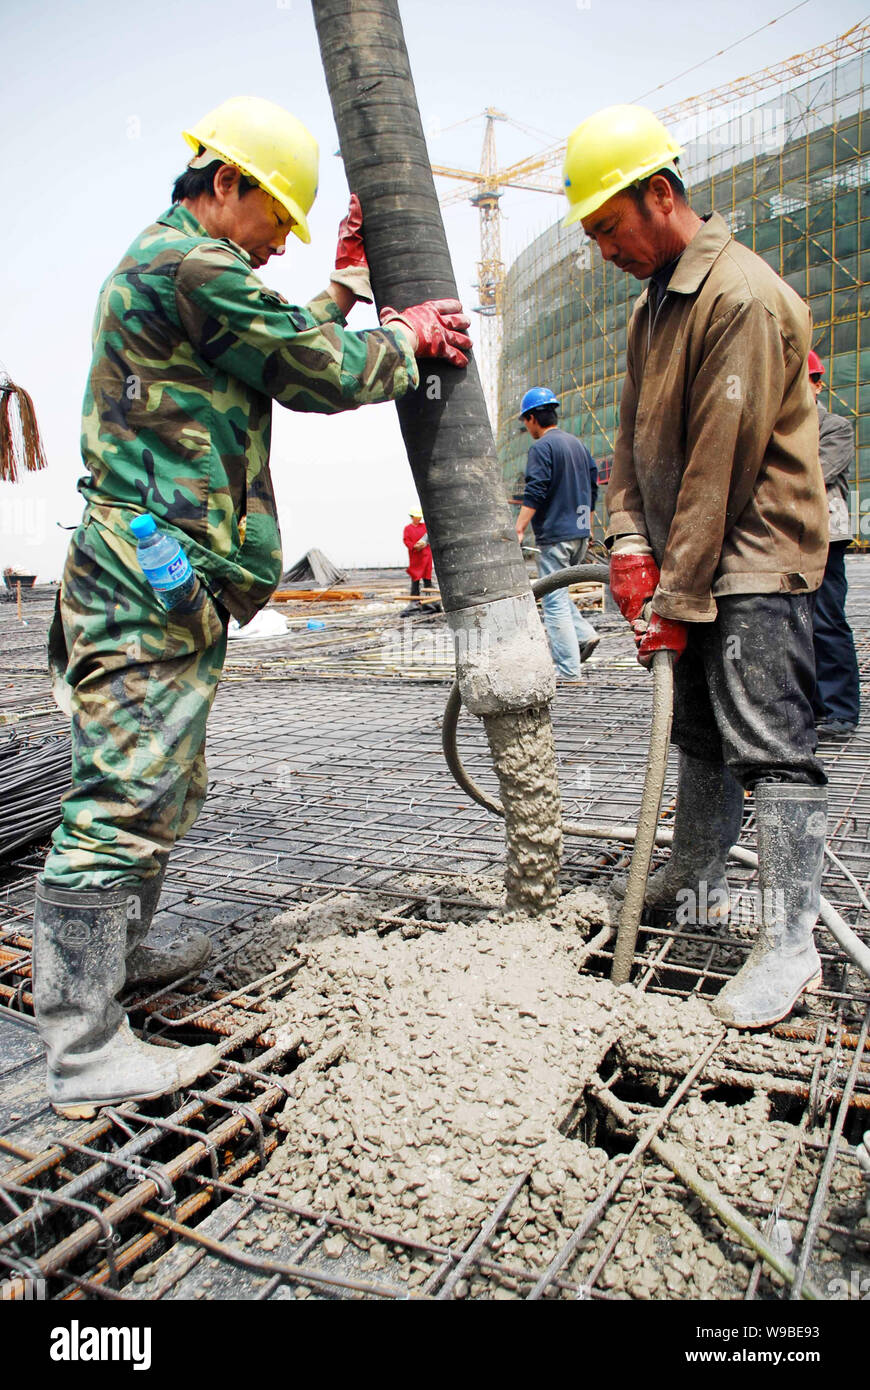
(152, 967)
(94, 1058)
(784, 960)
(707, 823)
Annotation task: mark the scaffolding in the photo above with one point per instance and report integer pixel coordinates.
(788, 176)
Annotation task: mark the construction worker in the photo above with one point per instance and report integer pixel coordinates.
(837, 699)
(718, 536)
(416, 541)
(561, 486)
(190, 350)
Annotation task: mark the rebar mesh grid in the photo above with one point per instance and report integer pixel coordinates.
(326, 786)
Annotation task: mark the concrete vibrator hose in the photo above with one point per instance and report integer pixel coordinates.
(647, 833)
(445, 425)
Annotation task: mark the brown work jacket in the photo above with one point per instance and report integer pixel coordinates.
(717, 456)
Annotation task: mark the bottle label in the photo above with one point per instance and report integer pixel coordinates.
(171, 575)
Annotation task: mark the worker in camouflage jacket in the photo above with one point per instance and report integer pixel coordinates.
(190, 349)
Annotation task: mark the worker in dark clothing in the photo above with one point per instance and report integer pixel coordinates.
(559, 499)
(836, 703)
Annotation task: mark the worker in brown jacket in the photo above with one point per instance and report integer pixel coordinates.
(718, 536)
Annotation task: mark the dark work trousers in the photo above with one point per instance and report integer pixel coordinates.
(743, 690)
(415, 586)
(837, 694)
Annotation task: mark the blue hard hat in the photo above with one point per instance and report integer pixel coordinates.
(536, 396)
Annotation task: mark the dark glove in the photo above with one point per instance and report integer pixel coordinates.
(439, 326)
(633, 580)
(660, 635)
(351, 265)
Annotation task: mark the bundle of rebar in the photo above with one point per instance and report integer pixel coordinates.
(21, 446)
(33, 778)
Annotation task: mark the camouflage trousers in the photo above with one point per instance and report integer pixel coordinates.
(138, 682)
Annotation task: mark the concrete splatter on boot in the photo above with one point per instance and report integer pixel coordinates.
(148, 966)
(692, 884)
(94, 1058)
(784, 960)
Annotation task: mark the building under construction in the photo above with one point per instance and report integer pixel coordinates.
(789, 175)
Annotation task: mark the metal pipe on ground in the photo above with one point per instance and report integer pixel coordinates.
(502, 658)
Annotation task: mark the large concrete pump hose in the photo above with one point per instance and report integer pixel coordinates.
(647, 832)
(502, 659)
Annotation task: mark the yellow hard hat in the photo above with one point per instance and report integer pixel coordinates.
(267, 144)
(416, 512)
(611, 150)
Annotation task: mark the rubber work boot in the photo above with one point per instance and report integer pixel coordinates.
(706, 824)
(148, 966)
(94, 1058)
(784, 960)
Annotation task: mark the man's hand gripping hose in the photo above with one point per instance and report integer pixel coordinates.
(850, 944)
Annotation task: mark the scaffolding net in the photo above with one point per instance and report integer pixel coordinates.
(789, 176)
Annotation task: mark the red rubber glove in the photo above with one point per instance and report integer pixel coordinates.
(439, 325)
(661, 635)
(351, 248)
(351, 265)
(633, 580)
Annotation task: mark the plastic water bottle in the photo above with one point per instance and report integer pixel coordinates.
(164, 563)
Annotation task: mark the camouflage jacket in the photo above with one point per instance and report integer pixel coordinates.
(189, 350)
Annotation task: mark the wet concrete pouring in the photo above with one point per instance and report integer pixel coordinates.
(458, 1088)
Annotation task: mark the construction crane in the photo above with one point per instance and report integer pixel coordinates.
(538, 173)
(489, 182)
(490, 266)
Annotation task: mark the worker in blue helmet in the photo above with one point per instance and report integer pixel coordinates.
(561, 486)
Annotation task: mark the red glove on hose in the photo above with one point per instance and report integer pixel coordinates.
(633, 580)
(351, 265)
(662, 635)
(351, 248)
(439, 325)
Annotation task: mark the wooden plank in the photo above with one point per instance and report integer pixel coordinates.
(311, 595)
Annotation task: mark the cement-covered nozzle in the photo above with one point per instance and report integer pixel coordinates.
(503, 660)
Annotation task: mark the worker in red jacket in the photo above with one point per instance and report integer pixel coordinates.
(416, 542)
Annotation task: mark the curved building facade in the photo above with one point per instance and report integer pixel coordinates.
(791, 179)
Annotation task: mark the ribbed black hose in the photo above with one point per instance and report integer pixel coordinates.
(444, 422)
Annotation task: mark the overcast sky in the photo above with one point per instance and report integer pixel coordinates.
(94, 96)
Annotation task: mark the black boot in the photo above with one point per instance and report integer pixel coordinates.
(784, 960)
(94, 1058)
(707, 823)
(148, 966)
